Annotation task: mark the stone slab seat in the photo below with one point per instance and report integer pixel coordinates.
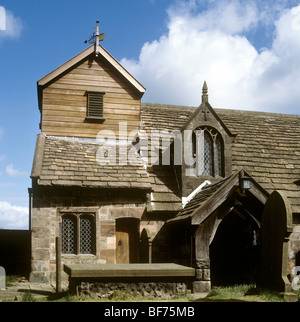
(128, 270)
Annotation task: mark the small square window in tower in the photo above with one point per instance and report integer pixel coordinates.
(95, 106)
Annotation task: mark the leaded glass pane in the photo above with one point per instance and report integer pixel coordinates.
(69, 235)
(218, 156)
(86, 234)
(207, 157)
(208, 150)
(199, 150)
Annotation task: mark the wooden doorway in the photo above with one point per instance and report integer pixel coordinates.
(127, 240)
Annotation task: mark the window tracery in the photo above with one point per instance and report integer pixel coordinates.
(208, 151)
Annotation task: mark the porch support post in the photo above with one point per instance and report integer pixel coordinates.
(202, 261)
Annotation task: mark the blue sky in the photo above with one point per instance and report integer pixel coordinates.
(247, 51)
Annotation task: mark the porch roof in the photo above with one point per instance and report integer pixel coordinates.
(210, 197)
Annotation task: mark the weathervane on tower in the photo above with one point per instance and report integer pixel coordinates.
(96, 38)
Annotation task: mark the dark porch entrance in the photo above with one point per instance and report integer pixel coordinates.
(235, 251)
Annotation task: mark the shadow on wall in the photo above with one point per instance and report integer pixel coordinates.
(15, 252)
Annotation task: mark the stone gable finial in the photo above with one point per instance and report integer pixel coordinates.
(204, 93)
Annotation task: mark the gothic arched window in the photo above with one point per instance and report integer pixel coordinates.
(208, 151)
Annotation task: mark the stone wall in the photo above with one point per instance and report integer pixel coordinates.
(107, 207)
(162, 290)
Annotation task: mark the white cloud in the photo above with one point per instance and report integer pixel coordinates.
(2, 18)
(10, 26)
(13, 217)
(12, 172)
(211, 45)
(229, 16)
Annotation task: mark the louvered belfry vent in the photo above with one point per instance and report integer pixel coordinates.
(95, 104)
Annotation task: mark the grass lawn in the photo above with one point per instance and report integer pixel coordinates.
(243, 293)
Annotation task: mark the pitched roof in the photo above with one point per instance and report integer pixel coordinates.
(198, 200)
(85, 54)
(266, 146)
(210, 197)
(69, 162)
(206, 107)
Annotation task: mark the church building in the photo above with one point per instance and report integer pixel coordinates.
(121, 181)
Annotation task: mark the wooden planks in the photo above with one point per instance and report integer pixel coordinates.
(65, 101)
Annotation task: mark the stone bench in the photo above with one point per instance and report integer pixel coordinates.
(155, 280)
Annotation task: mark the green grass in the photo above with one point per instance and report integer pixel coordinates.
(28, 297)
(244, 293)
(230, 292)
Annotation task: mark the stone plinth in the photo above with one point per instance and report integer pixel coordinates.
(155, 280)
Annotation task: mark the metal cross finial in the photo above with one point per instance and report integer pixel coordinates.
(96, 38)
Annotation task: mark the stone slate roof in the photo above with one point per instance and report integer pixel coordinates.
(199, 199)
(267, 145)
(67, 162)
(268, 148)
(166, 194)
